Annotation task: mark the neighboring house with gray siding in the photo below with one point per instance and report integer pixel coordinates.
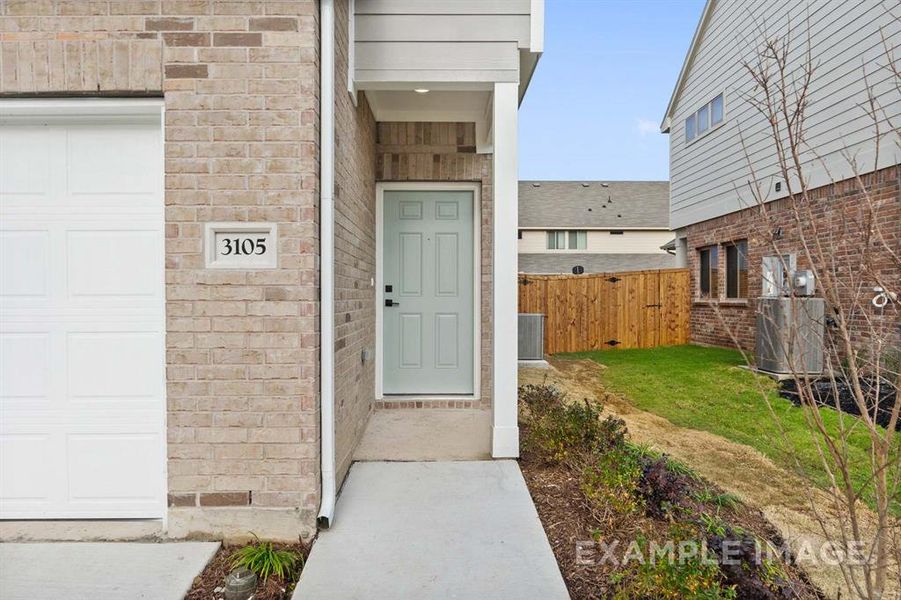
(720, 142)
(601, 226)
(224, 226)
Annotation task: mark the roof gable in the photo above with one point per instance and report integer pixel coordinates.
(686, 65)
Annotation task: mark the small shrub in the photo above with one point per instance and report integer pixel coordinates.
(540, 399)
(264, 559)
(717, 499)
(644, 451)
(747, 571)
(674, 578)
(680, 468)
(611, 480)
(660, 487)
(713, 525)
(560, 429)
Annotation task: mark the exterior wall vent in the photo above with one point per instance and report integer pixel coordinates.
(531, 336)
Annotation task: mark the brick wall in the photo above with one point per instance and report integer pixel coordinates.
(445, 152)
(354, 257)
(240, 81)
(838, 217)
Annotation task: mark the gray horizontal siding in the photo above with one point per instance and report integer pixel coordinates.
(443, 7)
(439, 41)
(443, 28)
(709, 176)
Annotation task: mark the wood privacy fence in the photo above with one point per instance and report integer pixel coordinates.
(638, 309)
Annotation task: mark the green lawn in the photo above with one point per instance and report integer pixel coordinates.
(703, 388)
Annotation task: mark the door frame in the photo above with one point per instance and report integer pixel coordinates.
(389, 186)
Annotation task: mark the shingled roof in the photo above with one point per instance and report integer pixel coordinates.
(594, 204)
(549, 263)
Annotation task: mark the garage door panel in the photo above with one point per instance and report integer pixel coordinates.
(111, 263)
(25, 163)
(113, 160)
(82, 318)
(114, 366)
(25, 368)
(24, 263)
(114, 468)
(26, 469)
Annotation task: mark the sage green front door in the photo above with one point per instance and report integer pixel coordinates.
(427, 298)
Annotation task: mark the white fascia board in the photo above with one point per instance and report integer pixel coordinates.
(536, 26)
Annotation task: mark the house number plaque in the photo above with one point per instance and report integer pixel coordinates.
(241, 245)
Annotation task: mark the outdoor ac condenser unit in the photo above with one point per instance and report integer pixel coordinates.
(531, 336)
(790, 334)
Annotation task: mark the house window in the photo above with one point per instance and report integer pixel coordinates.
(703, 120)
(716, 110)
(567, 240)
(556, 240)
(709, 271)
(690, 128)
(737, 270)
(578, 240)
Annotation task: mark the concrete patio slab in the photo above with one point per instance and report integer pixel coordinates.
(429, 530)
(426, 434)
(101, 570)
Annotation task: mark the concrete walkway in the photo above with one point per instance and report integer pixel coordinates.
(429, 530)
(101, 570)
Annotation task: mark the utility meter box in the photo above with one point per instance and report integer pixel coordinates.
(803, 283)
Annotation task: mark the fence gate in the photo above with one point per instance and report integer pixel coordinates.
(637, 309)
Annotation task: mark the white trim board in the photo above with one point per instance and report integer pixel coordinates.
(380, 189)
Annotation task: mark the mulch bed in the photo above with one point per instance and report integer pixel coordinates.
(568, 517)
(824, 392)
(213, 577)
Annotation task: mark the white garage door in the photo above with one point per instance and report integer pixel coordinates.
(82, 310)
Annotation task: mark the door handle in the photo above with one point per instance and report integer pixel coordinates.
(391, 303)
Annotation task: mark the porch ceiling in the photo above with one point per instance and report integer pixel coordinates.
(436, 105)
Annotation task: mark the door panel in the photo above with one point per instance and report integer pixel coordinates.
(428, 266)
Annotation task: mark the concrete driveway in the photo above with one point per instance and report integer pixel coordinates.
(433, 530)
(101, 570)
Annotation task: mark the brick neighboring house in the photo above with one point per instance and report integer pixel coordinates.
(197, 197)
(722, 234)
(602, 226)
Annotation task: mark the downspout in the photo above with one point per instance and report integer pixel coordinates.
(327, 261)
